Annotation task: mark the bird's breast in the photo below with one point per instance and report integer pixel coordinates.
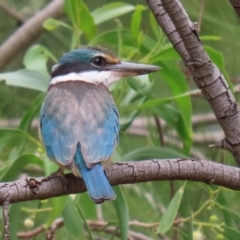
(79, 103)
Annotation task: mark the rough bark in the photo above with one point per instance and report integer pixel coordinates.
(174, 21)
(124, 173)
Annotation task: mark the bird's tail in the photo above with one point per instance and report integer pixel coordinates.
(95, 179)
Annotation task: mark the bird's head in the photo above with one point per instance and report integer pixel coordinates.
(95, 65)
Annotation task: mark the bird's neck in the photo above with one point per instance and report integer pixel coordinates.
(95, 77)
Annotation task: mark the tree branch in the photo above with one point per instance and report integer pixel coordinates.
(27, 33)
(124, 173)
(174, 21)
(11, 12)
(97, 226)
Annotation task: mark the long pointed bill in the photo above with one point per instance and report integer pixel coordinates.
(126, 69)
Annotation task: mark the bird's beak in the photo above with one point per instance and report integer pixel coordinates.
(127, 69)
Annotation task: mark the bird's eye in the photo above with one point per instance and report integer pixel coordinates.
(98, 61)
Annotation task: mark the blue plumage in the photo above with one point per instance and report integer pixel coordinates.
(80, 132)
(96, 181)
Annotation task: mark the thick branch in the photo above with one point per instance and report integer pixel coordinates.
(181, 32)
(27, 33)
(124, 173)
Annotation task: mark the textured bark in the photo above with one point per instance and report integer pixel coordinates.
(181, 32)
(29, 32)
(124, 173)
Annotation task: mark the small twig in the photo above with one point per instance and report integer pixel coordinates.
(29, 32)
(99, 212)
(161, 140)
(11, 12)
(58, 223)
(199, 22)
(98, 226)
(159, 128)
(5, 207)
(30, 234)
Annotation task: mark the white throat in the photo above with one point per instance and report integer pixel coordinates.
(105, 77)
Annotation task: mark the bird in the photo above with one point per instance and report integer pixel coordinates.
(79, 121)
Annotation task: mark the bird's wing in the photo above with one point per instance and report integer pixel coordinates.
(98, 144)
(79, 113)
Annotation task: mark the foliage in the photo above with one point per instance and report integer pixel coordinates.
(195, 209)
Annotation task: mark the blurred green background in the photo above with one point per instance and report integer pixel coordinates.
(187, 123)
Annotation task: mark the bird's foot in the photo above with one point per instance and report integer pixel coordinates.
(58, 173)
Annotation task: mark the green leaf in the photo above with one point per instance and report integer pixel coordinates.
(210, 38)
(81, 18)
(218, 59)
(13, 138)
(190, 228)
(151, 153)
(72, 220)
(15, 215)
(227, 212)
(88, 206)
(112, 38)
(110, 11)
(26, 79)
(136, 21)
(31, 113)
(58, 204)
(18, 165)
(85, 222)
(141, 87)
(49, 166)
(51, 24)
(231, 233)
(141, 84)
(158, 102)
(174, 118)
(4, 169)
(121, 209)
(155, 27)
(171, 213)
(36, 58)
(174, 77)
(167, 53)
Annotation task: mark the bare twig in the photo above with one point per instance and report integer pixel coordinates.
(199, 22)
(27, 33)
(11, 12)
(159, 128)
(30, 234)
(58, 223)
(98, 226)
(5, 207)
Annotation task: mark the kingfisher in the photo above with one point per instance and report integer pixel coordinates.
(79, 120)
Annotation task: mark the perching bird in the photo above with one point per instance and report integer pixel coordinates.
(79, 120)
